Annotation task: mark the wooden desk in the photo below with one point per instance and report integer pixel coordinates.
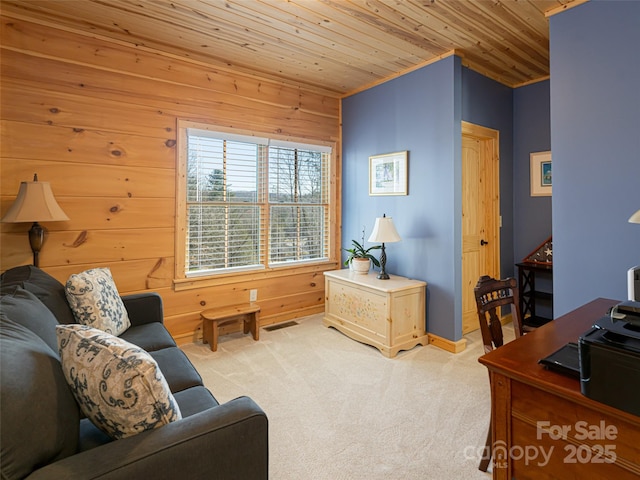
(531, 406)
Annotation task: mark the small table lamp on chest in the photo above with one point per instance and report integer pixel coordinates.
(384, 231)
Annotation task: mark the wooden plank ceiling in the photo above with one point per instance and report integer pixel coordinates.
(338, 46)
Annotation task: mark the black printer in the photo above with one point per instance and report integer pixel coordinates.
(609, 357)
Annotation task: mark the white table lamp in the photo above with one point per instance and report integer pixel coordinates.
(384, 231)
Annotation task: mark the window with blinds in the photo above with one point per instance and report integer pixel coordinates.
(254, 203)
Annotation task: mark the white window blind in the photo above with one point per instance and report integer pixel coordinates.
(254, 203)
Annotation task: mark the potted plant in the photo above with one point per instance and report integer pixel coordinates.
(360, 258)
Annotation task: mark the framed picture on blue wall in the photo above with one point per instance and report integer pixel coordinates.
(541, 179)
(388, 174)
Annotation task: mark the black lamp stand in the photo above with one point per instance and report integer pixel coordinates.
(383, 260)
(36, 239)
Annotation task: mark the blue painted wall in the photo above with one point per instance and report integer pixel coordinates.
(421, 112)
(490, 104)
(531, 133)
(595, 138)
(418, 112)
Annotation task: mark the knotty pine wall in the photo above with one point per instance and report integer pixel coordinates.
(97, 119)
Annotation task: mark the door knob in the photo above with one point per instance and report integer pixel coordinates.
(483, 242)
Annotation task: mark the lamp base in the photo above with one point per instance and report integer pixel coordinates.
(36, 239)
(383, 261)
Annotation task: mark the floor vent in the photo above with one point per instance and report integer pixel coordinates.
(278, 326)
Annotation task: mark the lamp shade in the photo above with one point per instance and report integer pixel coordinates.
(35, 203)
(635, 218)
(384, 231)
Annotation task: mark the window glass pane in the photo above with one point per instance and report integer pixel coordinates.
(219, 170)
(296, 175)
(242, 171)
(204, 169)
(223, 236)
(297, 233)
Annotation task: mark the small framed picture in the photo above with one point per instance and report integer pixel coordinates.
(388, 174)
(541, 179)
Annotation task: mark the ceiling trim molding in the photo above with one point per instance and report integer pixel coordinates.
(402, 72)
(531, 82)
(563, 8)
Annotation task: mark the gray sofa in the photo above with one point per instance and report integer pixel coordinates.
(43, 434)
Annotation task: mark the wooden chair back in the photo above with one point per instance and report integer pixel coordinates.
(491, 295)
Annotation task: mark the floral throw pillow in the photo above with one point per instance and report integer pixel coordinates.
(95, 301)
(118, 386)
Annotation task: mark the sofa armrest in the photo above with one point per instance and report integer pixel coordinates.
(144, 308)
(229, 441)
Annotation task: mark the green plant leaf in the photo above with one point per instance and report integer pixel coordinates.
(358, 251)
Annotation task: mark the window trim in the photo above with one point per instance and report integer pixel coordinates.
(182, 281)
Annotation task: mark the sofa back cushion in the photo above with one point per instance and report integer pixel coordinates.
(39, 416)
(49, 290)
(25, 308)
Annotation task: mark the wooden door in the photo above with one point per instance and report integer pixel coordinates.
(480, 214)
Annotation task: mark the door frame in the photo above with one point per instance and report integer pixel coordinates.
(491, 140)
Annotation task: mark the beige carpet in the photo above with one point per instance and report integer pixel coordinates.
(338, 409)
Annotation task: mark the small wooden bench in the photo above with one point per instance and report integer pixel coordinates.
(217, 317)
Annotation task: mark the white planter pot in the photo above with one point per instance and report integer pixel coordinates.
(360, 266)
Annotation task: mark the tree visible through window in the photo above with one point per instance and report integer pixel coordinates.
(297, 216)
(254, 203)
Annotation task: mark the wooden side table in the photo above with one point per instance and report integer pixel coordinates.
(387, 314)
(214, 318)
(533, 295)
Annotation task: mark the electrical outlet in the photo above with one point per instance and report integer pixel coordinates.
(253, 295)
